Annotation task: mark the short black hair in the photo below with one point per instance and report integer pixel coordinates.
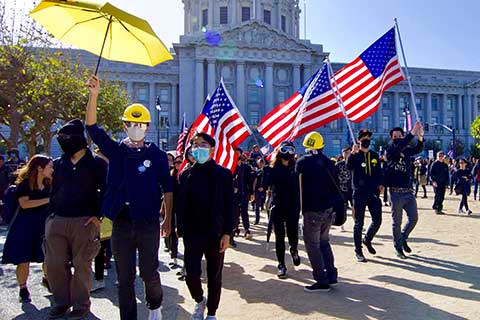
(210, 140)
(397, 129)
(239, 150)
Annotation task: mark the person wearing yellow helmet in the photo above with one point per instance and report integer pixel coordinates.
(138, 179)
(318, 194)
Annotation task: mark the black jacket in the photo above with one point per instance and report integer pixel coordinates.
(204, 205)
(439, 173)
(367, 174)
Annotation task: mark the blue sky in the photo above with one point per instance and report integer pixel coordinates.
(436, 33)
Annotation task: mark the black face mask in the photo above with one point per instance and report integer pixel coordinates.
(365, 143)
(397, 140)
(72, 145)
(286, 156)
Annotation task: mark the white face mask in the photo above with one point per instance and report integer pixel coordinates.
(136, 133)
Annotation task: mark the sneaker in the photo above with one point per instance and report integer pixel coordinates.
(97, 285)
(78, 314)
(295, 257)
(399, 253)
(199, 310)
(211, 318)
(317, 287)
(155, 314)
(439, 212)
(24, 295)
(282, 271)
(469, 212)
(406, 248)
(248, 235)
(57, 312)
(45, 284)
(333, 283)
(360, 257)
(369, 246)
(460, 211)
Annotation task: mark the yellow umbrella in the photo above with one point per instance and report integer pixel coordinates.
(102, 29)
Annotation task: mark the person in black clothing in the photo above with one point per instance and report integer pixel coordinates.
(72, 232)
(4, 183)
(173, 239)
(367, 186)
(344, 177)
(285, 206)
(476, 177)
(439, 174)
(260, 193)
(242, 189)
(204, 210)
(319, 194)
(421, 176)
(398, 178)
(463, 178)
(25, 237)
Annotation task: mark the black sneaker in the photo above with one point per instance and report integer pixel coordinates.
(295, 257)
(369, 246)
(399, 253)
(58, 312)
(24, 296)
(282, 271)
(360, 257)
(317, 287)
(406, 248)
(78, 314)
(333, 283)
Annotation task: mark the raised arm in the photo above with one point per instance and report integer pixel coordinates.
(93, 85)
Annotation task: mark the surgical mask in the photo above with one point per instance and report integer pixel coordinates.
(201, 155)
(136, 133)
(365, 143)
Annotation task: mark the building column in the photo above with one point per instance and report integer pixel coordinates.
(152, 98)
(467, 112)
(459, 113)
(428, 112)
(211, 76)
(269, 86)
(444, 109)
(307, 72)
(379, 123)
(396, 109)
(130, 92)
(174, 112)
(240, 78)
(475, 107)
(199, 96)
(296, 77)
(234, 6)
(210, 14)
(258, 11)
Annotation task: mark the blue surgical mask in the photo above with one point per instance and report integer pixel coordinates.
(201, 155)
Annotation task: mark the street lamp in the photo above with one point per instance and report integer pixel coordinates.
(159, 108)
(452, 131)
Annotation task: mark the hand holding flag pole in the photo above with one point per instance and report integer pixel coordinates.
(338, 97)
(412, 94)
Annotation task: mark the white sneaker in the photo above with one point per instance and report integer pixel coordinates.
(199, 310)
(155, 314)
(97, 285)
(211, 318)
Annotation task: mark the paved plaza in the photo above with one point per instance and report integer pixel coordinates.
(440, 280)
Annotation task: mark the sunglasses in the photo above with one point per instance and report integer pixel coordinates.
(287, 149)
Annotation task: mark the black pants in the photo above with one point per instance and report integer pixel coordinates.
(173, 240)
(464, 201)
(196, 246)
(417, 186)
(285, 218)
(241, 209)
(360, 202)
(100, 260)
(259, 204)
(127, 237)
(439, 197)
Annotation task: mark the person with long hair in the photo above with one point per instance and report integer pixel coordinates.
(25, 238)
(285, 204)
(462, 178)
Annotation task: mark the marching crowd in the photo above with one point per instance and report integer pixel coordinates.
(58, 209)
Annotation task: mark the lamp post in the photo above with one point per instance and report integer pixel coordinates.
(452, 131)
(159, 108)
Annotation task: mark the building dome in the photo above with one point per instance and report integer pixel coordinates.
(202, 15)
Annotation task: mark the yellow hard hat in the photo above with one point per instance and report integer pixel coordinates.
(313, 140)
(136, 113)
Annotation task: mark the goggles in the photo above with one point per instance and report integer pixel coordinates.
(140, 125)
(287, 149)
(200, 145)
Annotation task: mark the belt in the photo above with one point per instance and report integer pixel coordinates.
(403, 190)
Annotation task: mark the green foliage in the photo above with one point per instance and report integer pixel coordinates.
(475, 150)
(475, 128)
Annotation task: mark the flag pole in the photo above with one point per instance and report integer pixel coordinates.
(336, 93)
(412, 94)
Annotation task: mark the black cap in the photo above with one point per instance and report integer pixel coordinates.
(73, 127)
(364, 133)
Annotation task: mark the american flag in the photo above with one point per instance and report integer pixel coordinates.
(310, 107)
(362, 82)
(221, 119)
(181, 138)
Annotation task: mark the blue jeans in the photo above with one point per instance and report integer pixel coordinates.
(403, 201)
(316, 227)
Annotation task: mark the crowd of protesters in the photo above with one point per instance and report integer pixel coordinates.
(85, 206)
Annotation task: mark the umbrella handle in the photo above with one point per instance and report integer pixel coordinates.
(103, 44)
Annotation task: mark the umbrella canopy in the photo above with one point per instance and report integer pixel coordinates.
(102, 29)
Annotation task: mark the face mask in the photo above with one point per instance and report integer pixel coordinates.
(365, 143)
(397, 140)
(286, 156)
(201, 155)
(136, 133)
(72, 145)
